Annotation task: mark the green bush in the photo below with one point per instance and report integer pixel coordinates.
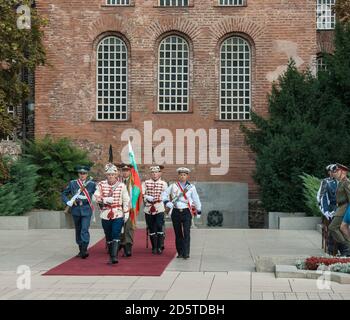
(311, 185)
(56, 160)
(4, 171)
(18, 194)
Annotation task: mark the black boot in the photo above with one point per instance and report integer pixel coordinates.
(160, 242)
(84, 253)
(80, 253)
(114, 252)
(128, 250)
(109, 247)
(153, 238)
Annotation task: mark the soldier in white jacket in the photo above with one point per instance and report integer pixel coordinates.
(180, 197)
(152, 190)
(113, 199)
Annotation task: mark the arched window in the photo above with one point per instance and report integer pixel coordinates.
(235, 79)
(320, 63)
(112, 79)
(173, 75)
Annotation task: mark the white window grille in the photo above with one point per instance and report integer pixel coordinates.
(232, 2)
(112, 79)
(235, 79)
(118, 2)
(173, 3)
(173, 75)
(320, 64)
(325, 14)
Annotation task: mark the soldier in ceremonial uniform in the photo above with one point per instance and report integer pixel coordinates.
(343, 199)
(152, 190)
(77, 196)
(113, 198)
(127, 239)
(180, 197)
(326, 198)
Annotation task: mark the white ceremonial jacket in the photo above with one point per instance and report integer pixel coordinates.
(155, 189)
(121, 199)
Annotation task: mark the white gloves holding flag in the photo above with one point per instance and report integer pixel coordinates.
(108, 200)
(149, 198)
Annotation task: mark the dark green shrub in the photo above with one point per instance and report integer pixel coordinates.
(56, 159)
(18, 194)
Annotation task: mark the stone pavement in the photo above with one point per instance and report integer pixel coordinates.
(221, 267)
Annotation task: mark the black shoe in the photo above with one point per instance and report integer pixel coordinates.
(179, 256)
(79, 254)
(186, 257)
(84, 253)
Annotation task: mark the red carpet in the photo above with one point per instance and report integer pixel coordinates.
(142, 262)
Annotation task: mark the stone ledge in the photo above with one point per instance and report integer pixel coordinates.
(299, 223)
(36, 219)
(268, 263)
(288, 271)
(273, 218)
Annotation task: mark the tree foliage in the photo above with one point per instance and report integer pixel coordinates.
(20, 48)
(342, 10)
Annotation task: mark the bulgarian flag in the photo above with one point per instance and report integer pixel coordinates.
(136, 195)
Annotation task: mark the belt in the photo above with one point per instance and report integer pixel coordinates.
(182, 210)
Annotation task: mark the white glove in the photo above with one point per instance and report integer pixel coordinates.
(108, 200)
(170, 205)
(326, 214)
(149, 198)
(126, 216)
(70, 203)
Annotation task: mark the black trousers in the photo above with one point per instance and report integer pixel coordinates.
(155, 222)
(182, 227)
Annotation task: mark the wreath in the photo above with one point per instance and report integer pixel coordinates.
(215, 219)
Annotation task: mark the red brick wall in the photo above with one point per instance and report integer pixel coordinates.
(65, 88)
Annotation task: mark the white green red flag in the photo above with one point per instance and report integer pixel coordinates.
(136, 195)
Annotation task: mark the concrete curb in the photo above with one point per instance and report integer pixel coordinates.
(287, 271)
